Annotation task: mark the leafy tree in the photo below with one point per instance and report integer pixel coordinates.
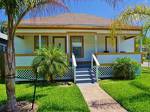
(50, 62)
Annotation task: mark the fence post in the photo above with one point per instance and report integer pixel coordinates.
(74, 68)
(2, 66)
(97, 73)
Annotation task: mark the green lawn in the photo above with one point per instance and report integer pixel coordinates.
(134, 95)
(50, 98)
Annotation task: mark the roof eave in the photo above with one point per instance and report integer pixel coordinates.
(134, 28)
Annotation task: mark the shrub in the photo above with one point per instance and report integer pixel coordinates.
(125, 68)
(50, 62)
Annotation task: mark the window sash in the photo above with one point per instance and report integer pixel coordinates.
(44, 42)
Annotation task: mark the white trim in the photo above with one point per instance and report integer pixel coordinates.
(3, 45)
(99, 32)
(3, 36)
(67, 39)
(96, 43)
(141, 46)
(40, 44)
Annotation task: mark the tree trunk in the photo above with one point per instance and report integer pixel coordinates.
(51, 79)
(10, 68)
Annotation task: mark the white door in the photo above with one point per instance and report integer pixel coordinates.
(60, 42)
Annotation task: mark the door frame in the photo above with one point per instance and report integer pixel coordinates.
(82, 40)
(56, 37)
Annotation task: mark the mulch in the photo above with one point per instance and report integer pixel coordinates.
(22, 106)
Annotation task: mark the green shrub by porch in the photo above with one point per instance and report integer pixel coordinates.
(125, 68)
(50, 62)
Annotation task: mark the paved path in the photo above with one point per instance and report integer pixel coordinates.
(98, 100)
(145, 64)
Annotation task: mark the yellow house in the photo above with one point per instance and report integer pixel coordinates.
(85, 38)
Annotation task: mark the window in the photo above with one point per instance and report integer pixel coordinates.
(44, 42)
(77, 46)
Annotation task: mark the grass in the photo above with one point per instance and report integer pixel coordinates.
(134, 95)
(50, 98)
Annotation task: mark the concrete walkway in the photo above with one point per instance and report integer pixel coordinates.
(98, 100)
(145, 64)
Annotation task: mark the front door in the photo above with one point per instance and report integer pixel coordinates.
(60, 42)
(77, 46)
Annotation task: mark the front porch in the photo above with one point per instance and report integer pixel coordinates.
(82, 44)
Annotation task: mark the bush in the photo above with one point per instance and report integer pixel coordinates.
(50, 62)
(125, 68)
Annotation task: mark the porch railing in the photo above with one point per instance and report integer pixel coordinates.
(94, 59)
(74, 66)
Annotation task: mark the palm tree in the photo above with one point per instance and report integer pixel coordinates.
(50, 62)
(137, 14)
(15, 10)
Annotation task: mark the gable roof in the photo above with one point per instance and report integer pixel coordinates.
(70, 20)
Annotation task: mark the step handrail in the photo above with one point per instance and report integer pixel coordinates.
(74, 66)
(94, 59)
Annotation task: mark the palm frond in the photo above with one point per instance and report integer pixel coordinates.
(135, 14)
(113, 3)
(146, 29)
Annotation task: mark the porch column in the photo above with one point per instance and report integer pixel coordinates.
(118, 43)
(96, 43)
(67, 39)
(141, 43)
(40, 41)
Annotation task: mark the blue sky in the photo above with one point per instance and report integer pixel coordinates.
(98, 7)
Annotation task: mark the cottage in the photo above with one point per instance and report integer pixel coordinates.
(85, 38)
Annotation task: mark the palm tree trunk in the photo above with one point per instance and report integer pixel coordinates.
(51, 79)
(10, 68)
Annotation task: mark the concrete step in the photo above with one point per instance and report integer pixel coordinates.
(85, 80)
(82, 72)
(82, 76)
(83, 68)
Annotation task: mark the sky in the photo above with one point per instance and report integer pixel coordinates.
(97, 7)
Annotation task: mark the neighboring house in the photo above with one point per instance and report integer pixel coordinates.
(81, 34)
(3, 42)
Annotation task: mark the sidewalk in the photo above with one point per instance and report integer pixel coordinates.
(98, 100)
(145, 64)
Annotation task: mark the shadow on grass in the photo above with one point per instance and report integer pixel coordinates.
(56, 107)
(141, 97)
(146, 70)
(39, 84)
(140, 86)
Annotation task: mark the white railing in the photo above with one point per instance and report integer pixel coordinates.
(109, 58)
(74, 66)
(94, 59)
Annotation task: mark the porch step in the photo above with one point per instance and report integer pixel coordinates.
(82, 72)
(84, 75)
(85, 80)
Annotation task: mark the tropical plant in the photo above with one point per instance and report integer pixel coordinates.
(50, 62)
(15, 10)
(125, 68)
(139, 14)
